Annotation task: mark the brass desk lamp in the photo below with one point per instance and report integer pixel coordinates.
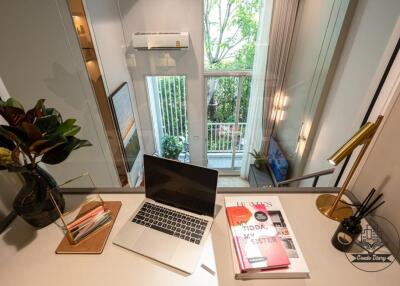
(330, 205)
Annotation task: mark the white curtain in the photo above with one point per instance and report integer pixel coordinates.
(274, 38)
(254, 134)
(282, 26)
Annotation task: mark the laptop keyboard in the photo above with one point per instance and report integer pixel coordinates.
(174, 223)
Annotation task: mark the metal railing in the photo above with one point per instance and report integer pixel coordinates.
(172, 96)
(227, 137)
(222, 137)
(314, 176)
(171, 90)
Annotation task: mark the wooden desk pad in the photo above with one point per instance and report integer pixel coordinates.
(95, 242)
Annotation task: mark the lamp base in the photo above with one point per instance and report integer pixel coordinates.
(325, 203)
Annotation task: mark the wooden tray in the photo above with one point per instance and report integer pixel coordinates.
(95, 242)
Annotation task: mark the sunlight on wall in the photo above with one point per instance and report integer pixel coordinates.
(279, 105)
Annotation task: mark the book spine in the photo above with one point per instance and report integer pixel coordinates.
(239, 254)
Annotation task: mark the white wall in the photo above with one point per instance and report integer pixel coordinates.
(168, 16)
(10, 183)
(40, 58)
(381, 169)
(105, 21)
(355, 80)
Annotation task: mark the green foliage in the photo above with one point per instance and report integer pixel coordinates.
(38, 135)
(230, 31)
(172, 93)
(229, 45)
(229, 38)
(172, 147)
(259, 157)
(224, 100)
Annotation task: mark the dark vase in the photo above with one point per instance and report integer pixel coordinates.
(33, 202)
(257, 163)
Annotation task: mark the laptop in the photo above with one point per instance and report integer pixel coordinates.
(172, 223)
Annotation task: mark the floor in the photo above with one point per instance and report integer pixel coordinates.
(232, 181)
(217, 160)
(223, 160)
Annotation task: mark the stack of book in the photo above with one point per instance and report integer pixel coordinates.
(89, 222)
(262, 242)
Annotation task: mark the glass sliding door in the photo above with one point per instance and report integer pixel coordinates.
(227, 105)
(167, 99)
(230, 33)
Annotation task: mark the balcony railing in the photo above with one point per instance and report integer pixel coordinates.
(223, 136)
(172, 97)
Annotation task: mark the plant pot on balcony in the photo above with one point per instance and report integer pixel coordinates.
(258, 163)
(172, 147)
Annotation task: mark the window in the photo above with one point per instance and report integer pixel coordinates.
(167, 98)
(230, 33)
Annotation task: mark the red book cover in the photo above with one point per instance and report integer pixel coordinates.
(256, 239)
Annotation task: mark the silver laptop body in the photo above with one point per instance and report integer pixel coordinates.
(176, 194)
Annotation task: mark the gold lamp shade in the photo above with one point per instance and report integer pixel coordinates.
(365, 132)
(329, 205)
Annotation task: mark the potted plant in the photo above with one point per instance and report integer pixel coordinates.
(37, 135)
(172, 147)
(258, 158)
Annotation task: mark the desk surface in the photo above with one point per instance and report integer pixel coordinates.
(27, 256)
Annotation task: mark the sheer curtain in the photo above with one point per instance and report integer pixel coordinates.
(277, 22)
(282, 26)
(254, 134)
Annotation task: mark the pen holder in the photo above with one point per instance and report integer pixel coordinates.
(83, 216)
(346, 234)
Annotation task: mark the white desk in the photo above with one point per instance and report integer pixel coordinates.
(27, 256)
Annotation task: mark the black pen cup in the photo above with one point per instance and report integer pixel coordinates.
(346, 234)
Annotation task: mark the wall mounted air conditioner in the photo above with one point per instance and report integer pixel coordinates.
(160, 41)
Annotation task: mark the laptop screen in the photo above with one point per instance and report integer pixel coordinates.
(180, 185)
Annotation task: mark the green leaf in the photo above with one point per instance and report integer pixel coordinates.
(75, 143)
(48, 123)
(12, 102)
(65, 126)
(41, 147)
(83, 143)
(53, 111)
(72, 131)
(56, 155)
(61, 152)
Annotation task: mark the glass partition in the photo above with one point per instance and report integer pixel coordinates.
(192, 104)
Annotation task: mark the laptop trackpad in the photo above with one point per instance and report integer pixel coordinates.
(157, 245)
